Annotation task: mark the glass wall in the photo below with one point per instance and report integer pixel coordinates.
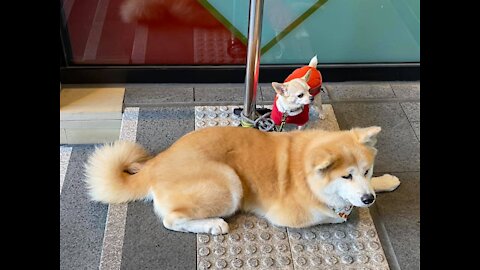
(213, 32)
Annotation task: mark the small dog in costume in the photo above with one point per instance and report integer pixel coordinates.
(295, 95)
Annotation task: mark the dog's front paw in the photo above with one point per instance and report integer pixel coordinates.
(385, 183)
(218, 226)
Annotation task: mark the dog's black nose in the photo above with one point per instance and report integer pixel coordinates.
(311, 98)
(367, 198)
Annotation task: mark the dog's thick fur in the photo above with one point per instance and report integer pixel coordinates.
(291, 178)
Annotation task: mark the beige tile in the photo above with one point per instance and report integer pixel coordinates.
(63, 136)
(108, 123)
(84, 136)
(91, 103)
(330, 121)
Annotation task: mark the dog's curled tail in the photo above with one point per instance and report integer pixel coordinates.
(313, 62)
(106, 177)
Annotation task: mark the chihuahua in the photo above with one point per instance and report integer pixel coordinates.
(293, 98)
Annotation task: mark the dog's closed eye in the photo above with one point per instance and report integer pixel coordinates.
(366, 172)
(300, 96)
(347, 176)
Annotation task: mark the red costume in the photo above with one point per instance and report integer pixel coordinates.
(315, 83)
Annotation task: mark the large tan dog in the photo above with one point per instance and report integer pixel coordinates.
(294, 179)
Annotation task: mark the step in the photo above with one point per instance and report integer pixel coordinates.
(90, 115)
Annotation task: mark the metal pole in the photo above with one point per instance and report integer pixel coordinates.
(253, 58)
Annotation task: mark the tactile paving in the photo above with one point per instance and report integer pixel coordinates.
(211, 116)
(350, 245)
(254, 243)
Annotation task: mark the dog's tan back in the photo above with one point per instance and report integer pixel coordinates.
(214, 172)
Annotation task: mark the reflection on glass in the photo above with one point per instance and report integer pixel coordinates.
(213, 32)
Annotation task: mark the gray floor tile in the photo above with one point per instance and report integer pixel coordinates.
(220, 94)
(412, 110)
(400, 213)
(81, 151)
(82, 222)
(359, 90)
(157, 95)
(147, 244)
(416, 128)
(158, 128)
(406, 89)
(398, 147)
(267, 92)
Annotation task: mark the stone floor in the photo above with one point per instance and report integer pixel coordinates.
(166, 112)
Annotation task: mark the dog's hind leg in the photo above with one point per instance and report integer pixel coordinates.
(178, 221)
(200, 211)
(195, 200)
(385, 183)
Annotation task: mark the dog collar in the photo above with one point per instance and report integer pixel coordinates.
(342, 212)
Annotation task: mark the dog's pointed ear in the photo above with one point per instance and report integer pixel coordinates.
(306, 77)
(280, 88)
(368, 135)
(322, 160)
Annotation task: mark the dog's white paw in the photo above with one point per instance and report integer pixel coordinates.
(217, 226)
(385, 183)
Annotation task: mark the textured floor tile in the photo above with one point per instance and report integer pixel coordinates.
(157, 95)
(416, 128)
(210, 116)
(353, 244)
(406, 89)
(359, 90)
(400, 212)
(158, 128)
(251, 243)
(147, 244)
(398, 147)
(412, 110)
(82, 222)
(232, 94)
